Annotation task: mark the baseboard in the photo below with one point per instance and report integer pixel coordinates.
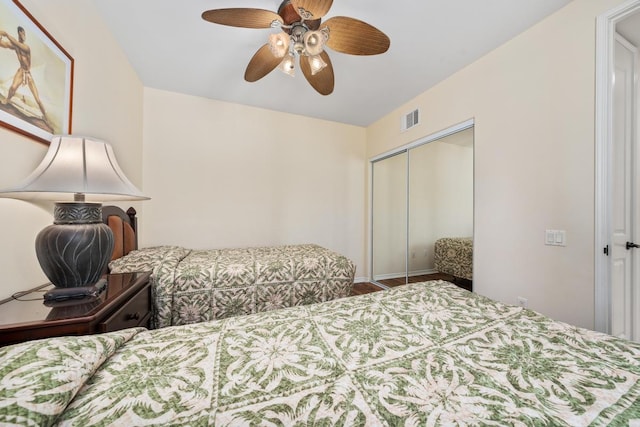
(388, 276)
(401, 275)
(423, 272)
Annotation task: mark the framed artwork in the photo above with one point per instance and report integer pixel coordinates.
(36, 76)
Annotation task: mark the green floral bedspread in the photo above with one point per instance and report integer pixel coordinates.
(425, 354)
(190, 286)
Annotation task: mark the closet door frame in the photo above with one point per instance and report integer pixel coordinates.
(405, 148)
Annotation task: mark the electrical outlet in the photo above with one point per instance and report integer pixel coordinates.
(522, 302)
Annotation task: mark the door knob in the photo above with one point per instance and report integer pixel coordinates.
(630, 245)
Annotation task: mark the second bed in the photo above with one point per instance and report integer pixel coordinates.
(190, 286)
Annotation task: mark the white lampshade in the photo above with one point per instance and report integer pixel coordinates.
(76, 165)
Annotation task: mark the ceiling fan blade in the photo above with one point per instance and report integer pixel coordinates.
(323, 80)
(242, 17)
(262, 63)
(311, 9)
(355, 37)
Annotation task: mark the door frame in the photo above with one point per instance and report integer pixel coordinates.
(605, 38)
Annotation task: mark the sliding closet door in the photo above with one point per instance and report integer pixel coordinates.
(440, 197)
(421, 193)
(389, 222)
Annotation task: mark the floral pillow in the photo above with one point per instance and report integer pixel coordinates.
(146, 259)
(38, 379)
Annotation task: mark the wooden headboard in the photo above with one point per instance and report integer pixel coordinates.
(124, 226)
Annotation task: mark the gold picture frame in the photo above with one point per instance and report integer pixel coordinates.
(36, 76)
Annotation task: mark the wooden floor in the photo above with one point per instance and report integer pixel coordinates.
(364, 288)
(367, 287)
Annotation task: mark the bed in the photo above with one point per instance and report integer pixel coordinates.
(422, 354)
(190, 286)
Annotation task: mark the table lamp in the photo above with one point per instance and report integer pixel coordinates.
(75, 250)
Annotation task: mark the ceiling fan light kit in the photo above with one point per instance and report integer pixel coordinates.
(317, 64)
(287, 65)
(302, 34)
(314, 42)
(279, 44)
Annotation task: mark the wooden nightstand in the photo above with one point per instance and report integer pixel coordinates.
(125, 303)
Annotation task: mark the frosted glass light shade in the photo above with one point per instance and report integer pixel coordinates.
(316, 63)
(76, 165)
(313, 42)
(279, 44)
(287, 65)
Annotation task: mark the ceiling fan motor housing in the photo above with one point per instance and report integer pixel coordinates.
(290, 17)
(297, 35)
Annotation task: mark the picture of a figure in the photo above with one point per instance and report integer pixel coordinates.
(36, 76)
(23, 74)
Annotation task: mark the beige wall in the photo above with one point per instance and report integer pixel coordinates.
(533, 104)
(107, 104)
(242, 176)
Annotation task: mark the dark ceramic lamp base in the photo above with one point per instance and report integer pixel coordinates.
(75, 250)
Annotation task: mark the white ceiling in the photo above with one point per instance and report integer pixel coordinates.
(172, 48)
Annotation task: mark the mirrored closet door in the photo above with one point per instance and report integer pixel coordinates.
(421, 195)
(389, 223)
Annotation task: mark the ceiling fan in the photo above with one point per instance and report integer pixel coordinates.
(305, 35)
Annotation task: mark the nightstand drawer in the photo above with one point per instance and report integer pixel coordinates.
(135, 312)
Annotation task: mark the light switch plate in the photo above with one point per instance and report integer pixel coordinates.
(555, 237)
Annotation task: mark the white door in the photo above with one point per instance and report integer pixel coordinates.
(625, 275)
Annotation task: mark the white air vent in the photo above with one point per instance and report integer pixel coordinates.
(410, 120)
